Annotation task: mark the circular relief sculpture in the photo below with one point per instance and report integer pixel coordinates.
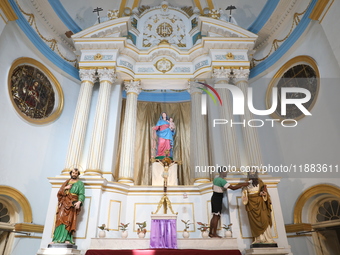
(299, 72)
(34, 91)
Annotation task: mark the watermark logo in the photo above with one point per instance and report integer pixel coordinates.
(204, 96)
(238, 99)
(287, 97)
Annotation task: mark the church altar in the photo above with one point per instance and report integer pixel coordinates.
(113, 203)
(114, 53)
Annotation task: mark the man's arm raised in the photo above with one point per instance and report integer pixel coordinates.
(238, 186)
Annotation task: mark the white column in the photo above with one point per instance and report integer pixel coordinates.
(198, 136)
(95, 157)
(75, 149)
(250, 135)
(229, 140)
(126, 166)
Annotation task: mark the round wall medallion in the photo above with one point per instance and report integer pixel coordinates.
(164, 65)
(299, 72)
(34, 91)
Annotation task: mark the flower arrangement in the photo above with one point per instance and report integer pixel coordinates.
(141, 227)
(123, 227)
(103, 227)
(227, 227)
(186, 223)
(203, 226)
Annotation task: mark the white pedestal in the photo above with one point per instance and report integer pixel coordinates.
(157, 174)
(267, 251)
(163, 217)
(58, 251)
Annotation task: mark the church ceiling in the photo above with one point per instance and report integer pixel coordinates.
(182, 24)
(81, 11)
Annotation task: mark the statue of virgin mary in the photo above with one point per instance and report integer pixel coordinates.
(165, 132)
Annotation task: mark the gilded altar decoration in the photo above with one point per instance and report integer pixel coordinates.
(164, 29)
(215, 14)
(34, 91)
(164, 26)
(98, 56)
(229, 56)
(112, 14)
(164, 65)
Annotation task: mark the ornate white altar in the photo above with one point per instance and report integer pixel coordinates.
(174, 47)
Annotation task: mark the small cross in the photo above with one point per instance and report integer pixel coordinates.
(97, 10)
(230, 8)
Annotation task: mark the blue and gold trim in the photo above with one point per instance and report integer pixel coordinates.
(41, 46)
(286, 45)
(162, 97)
(264, 16)
(64, 16)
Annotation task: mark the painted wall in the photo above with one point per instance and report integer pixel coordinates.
(328, 24)
(315, 139)
(3, 21)
(30, 153)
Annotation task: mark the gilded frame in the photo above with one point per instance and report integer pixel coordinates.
(59, 96)
(303, 59)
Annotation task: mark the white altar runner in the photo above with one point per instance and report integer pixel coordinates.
(144, 243)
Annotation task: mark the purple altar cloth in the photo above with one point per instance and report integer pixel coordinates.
(163, 233)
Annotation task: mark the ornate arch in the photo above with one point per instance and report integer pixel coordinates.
(310, 192)
(20, 199)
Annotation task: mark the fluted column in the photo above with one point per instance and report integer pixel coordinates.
(229, 140)
(95, 157)
(250, 135)
(75, 149)
(126, 167)
(198, 136)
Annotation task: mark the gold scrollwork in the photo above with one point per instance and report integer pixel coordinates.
(275, 43)
(53, 42)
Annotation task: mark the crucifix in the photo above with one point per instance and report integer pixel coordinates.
(97, 10)
(165, 201)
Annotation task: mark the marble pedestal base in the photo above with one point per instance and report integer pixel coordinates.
(58, 251)
(263, 245)
(267, 251)
(62, 245)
